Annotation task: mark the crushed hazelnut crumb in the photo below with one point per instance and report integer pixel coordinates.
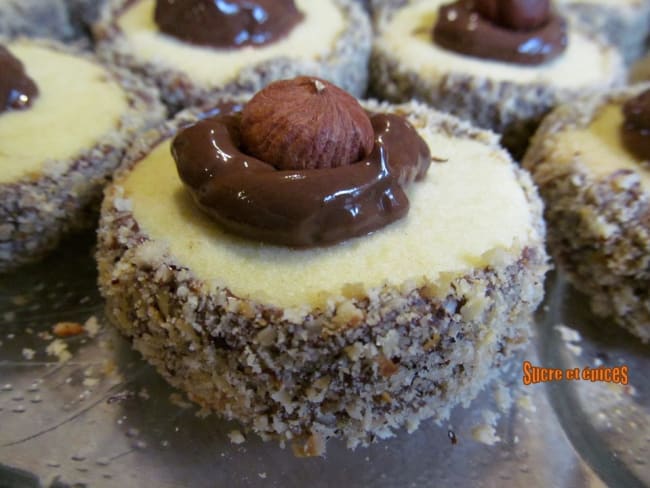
(28, 353)
(386, 366)
(91, 326)
(59, 349)
(236, 437)
(67, 329)
(314, 445)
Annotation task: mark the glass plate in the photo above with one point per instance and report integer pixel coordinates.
(105, 418)
(607, 422)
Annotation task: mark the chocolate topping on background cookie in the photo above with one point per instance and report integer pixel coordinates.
(227, 23)
(524, 32)
(17, 90)
(636, 126)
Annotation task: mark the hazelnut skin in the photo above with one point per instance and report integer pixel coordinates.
(306, 123)
(520, 15)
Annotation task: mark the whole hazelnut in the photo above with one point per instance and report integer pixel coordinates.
(305, 123)
(515, 14)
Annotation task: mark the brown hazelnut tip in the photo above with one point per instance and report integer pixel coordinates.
(521, 15)
(306, 123)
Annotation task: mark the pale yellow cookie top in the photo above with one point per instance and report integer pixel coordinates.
(78, 103)
(466, 211)
(311, 39)
(599, 146)
(408, 37)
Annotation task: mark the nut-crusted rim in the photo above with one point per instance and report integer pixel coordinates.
(625, 26)
(359, 367)
(511, 109)
(84, 13)
(598, 227)
(35, 18)
(345, 66)
(36, 213)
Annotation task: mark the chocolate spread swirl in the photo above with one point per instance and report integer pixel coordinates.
(486, 29)
(635, 130)
(227, 23)
(299, 208)
(17, 90)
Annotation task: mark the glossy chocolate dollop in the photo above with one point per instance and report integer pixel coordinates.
(299, 208)
(523, 32)
(227, 23)
(636, 126)
(17, 90)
